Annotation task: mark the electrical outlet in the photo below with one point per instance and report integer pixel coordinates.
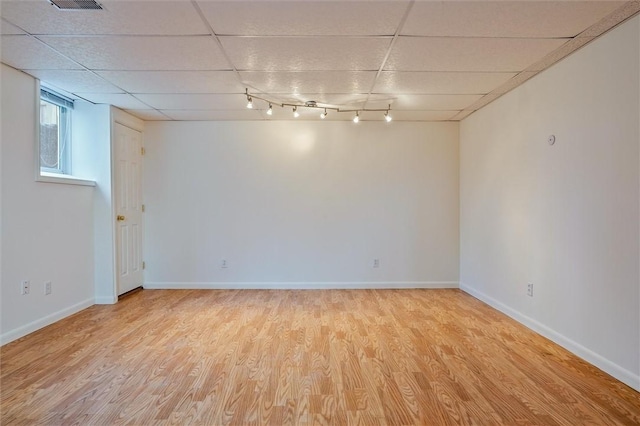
(25, 286)
(376, 263)
(47, 287)
(224, 263)
(530, 289)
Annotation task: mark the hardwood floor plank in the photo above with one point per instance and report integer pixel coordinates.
(301, 357)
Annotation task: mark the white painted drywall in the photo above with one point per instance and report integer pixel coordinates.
(301, 204)
(564, 217)
(1, 205)
(47, 228)
(92, 125)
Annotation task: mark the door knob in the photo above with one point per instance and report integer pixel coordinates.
(120, 218)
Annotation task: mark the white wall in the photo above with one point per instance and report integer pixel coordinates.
(47, 228)
(564, 217)
(93, 123)
(301, 204)
(1, 205)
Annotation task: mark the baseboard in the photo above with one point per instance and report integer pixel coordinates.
(620, 373)
(19, 332)
(304, 285)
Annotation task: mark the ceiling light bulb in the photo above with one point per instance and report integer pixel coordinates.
(387, 116)
(356, 118)
(324, 114)
(296, 114)
(270, 110)
(249, 102)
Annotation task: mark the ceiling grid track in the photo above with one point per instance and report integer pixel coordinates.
(625, 12)
(197, 59)
(388, 53)
(213, 34)
(84, 68)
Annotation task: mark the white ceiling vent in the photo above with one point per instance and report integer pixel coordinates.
(76, 4)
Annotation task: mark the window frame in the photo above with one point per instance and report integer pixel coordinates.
(54, 175)
(65, 113)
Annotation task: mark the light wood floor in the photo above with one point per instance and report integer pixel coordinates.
(369, 357)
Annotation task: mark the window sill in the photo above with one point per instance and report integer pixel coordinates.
(64, 179)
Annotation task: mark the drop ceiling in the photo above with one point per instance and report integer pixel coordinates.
(193, 60)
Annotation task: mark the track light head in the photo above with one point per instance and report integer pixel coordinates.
(296, 114)
(324, 114)
(356, 118)
(270, 110)
(387, 117)
(249, 102)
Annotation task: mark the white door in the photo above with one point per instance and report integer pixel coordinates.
(128, 196)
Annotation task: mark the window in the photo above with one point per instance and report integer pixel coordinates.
(55, 133)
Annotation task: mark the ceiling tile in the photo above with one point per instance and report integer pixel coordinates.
(309, 81)
(26, 52)
(213, 115)
(439, 83)
(175, 81)
(468, 54)
(120, 100)
(142, 53)
(75, 81)
(7, 28)
(422, 102)
(452, 57)
(306, 53)
(194, 101)
(148, 114)
(544, 19)
(117, 17)
(627, 10)
(259, 18)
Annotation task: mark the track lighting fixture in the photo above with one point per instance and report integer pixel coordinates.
(314, 104)
(249, 99)
(387, 117)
